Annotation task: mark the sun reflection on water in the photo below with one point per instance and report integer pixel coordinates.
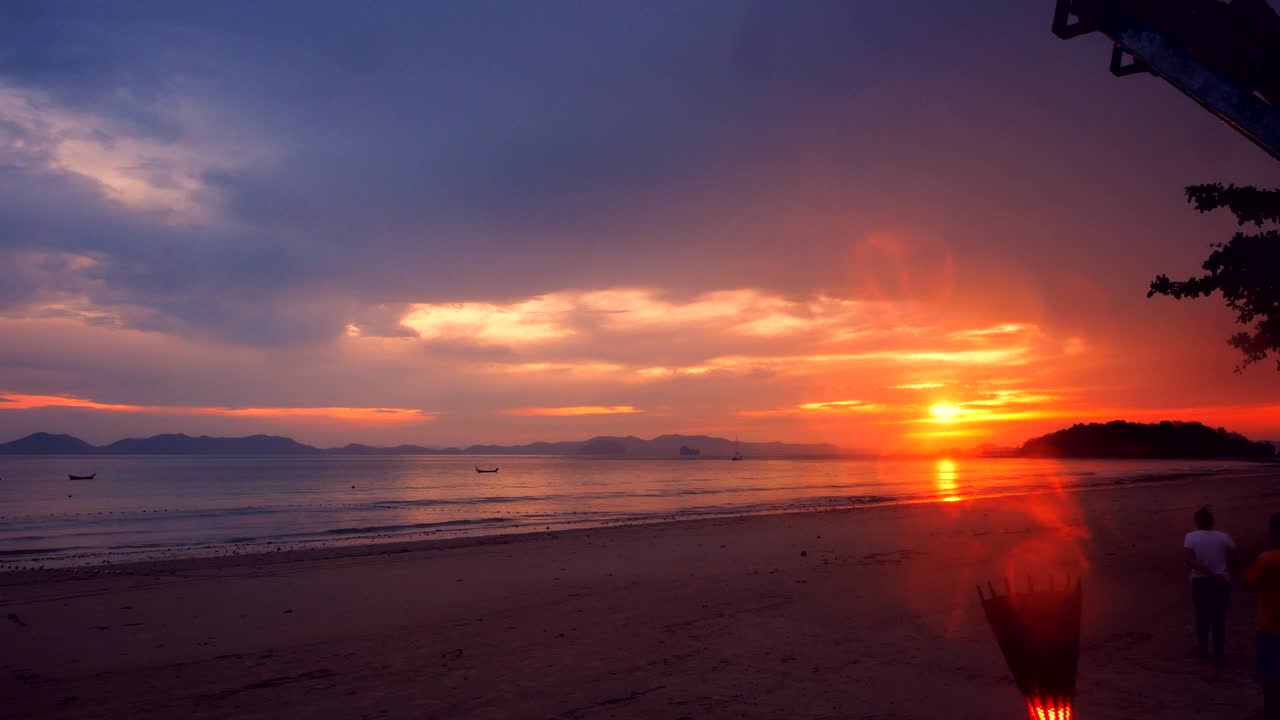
(945, 473)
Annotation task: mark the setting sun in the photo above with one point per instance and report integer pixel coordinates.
(944, 412)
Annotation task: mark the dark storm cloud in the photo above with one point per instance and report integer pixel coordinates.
(525, 119)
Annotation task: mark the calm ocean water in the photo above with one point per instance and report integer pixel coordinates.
(143, 507)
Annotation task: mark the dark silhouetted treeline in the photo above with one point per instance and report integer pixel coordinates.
(1120, 439)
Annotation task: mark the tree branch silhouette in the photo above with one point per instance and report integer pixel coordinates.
(1245, 269)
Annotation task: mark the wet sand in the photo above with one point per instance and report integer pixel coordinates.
(868, 613)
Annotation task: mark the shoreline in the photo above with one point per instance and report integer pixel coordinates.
(220, 555)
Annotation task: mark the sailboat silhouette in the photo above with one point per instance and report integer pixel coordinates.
(737, 453)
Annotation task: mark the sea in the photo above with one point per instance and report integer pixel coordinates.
(159, 507)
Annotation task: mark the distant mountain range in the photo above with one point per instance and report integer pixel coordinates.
(602, 446)
(1116, 439)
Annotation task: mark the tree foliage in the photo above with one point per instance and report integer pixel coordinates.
(1245, 269)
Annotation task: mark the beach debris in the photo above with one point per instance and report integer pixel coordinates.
(1039, 634)
(14, 618)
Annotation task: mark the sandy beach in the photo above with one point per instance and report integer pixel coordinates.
(867, 613)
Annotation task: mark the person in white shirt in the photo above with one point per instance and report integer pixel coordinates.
(1210, 554)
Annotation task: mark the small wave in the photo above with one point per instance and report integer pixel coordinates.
(495, 499)
(363, 530)
(413, 526)
(36, 551)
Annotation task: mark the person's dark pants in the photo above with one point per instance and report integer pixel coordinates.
(1269, 672)
(1210, 595)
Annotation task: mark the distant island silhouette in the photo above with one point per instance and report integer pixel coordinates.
(602, 446)
(1120, 439)
(1115, 439)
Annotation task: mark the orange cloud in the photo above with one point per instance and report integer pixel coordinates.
(576, 368)
(531, 321)
(830, 407)
(840, 406)
(1001, 398)
(662, 372)
(27, 402)
(819, 363)
(576, 410)
(543, 319)
(357, 414)
(15, 401)
(994, 330)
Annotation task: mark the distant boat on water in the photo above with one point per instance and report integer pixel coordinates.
(82, 477)
(487, 471)
(737, 452)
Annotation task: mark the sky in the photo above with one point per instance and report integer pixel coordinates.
(893, 226)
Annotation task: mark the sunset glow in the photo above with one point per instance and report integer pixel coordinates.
(805, 258)
(18, 402)
(636, 360)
